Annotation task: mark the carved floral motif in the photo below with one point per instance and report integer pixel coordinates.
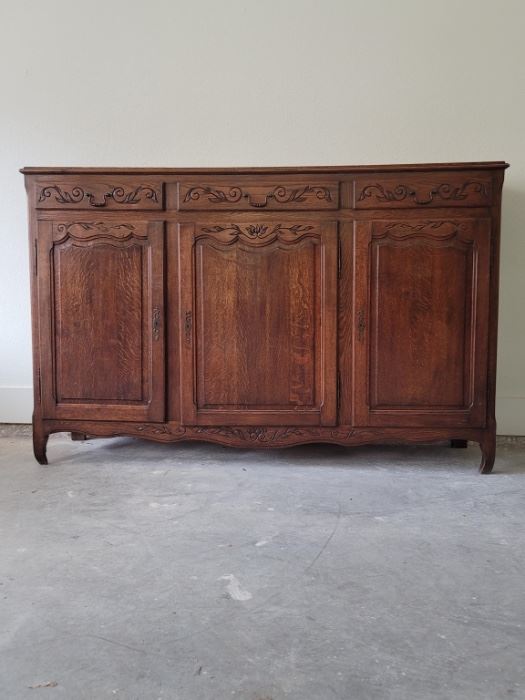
(260, 231)
(72, 196)
(119, 194)
(85, 231)
(445, 191)
(214, 195)
(250, 434)
(403, 229)
(100, 226)
(280, 194)
(160, 429)
(283, 195)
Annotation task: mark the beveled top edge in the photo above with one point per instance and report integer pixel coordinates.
(298, 170)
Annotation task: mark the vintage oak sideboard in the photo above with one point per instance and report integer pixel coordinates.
(266, 307)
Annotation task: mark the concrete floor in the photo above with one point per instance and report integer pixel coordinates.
(193, 572)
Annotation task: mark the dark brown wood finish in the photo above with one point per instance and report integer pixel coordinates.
(97, 193)
(422, 311)
(266, 306)
(443, 189)
(258, 311)
(101, 296)
(233, 193)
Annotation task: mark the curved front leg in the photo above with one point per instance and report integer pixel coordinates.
(40, 438)
(488, 451)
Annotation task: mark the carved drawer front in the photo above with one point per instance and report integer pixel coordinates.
(249, 195)
(93, 194)
(420, 190)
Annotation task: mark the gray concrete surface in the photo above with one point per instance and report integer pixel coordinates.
(192, 572)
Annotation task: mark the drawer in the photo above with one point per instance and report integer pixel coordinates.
(90, 193)
(241, 194)
(422, 190)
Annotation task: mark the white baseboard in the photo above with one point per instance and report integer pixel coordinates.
(510, 415)
(16, 406)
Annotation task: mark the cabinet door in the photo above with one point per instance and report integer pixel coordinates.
(101, 319)
(421, 322)
(258, 313)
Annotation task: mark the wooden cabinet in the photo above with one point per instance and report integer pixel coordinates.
(264, 307)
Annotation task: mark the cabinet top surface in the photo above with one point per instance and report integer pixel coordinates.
(422, 167)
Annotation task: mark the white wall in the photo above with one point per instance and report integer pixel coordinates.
(259, 82)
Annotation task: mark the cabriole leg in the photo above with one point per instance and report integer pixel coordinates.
(488, 452)
(40, 438)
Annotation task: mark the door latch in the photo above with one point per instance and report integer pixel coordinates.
(188, 325)
(156, 323)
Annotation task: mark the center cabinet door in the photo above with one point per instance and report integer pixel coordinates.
(258, 319)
